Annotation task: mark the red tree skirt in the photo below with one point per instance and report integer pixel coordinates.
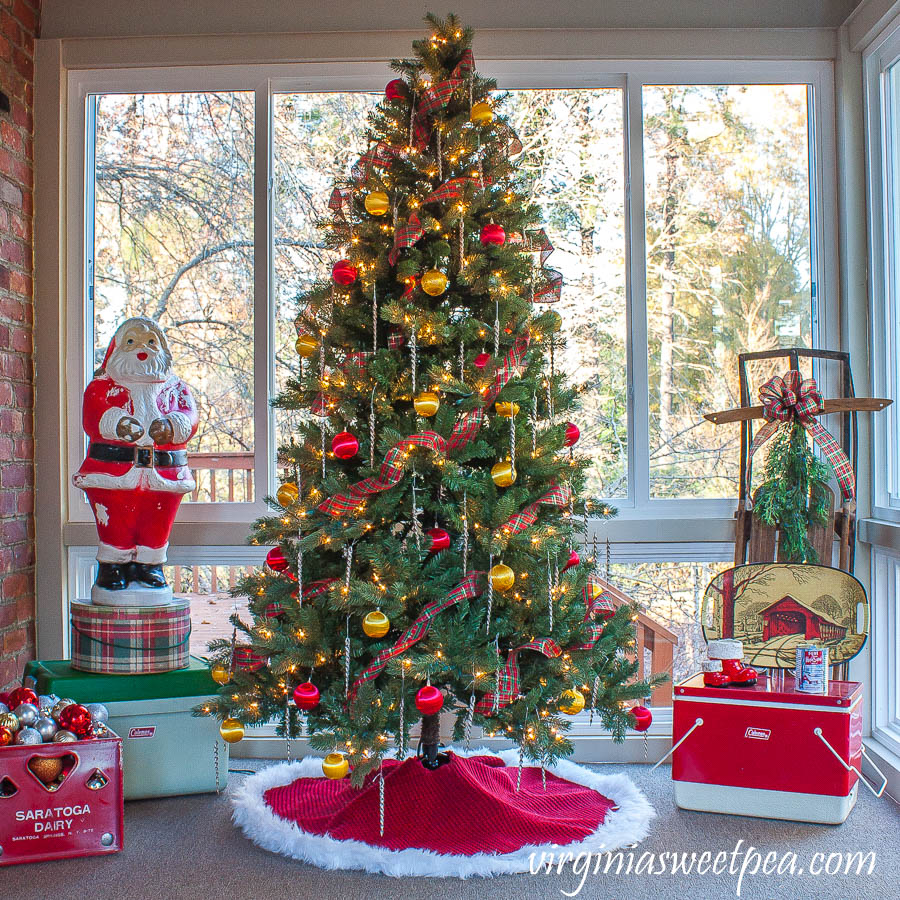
(466, 818)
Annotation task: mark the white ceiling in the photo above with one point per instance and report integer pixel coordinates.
(120, 18)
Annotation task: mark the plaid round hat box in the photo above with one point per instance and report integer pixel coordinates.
(130, 640)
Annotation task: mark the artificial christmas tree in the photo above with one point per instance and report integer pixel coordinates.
(426, 523)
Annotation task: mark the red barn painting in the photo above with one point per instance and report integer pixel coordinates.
(789, 616)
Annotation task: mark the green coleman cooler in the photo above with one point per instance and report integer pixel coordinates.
(166, 749)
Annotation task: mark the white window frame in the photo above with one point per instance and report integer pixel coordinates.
(692, 529)
(884, 272)
(629, 76)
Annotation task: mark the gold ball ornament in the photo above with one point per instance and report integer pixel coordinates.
(427, 403)
(46, 768)
(287, 493)
(506, 410)
(502, 577)
(482, 113)
(8, 720)
(503, 473)
(377, 203)
(306, 346)
(434, 283)
(231, 730)
(335, 766)
(554, 321)
(571, 702)
(376, 624)
(220, 674)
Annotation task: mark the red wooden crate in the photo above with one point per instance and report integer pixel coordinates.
(38, 823)
(765, 752)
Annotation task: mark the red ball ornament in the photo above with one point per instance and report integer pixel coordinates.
(4, 698)
(77, 719)
(482, 360)
(396, 90)
(440, 540)
(344, 445)
(21, 695)
(429, 700)
(276, 560)
(306, 695)
(572, 434)
(573, 560)
(343, 272)
(493, 235)
(642, 716)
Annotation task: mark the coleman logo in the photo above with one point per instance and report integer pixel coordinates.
(146, 731)
(760, 734)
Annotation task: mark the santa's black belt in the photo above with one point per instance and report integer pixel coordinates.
(145, 457)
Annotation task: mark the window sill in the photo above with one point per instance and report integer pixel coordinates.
(888, 760)
(880, 533)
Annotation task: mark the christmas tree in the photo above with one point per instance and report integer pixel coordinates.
(425, 530)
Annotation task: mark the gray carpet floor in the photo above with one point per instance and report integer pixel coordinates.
(186, 847)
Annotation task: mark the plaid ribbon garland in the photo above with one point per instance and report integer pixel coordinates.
(339, 197)
(319, 406)
(357, 359)
(549, 289)
(453, 189)
(465, 590)
(391, 472)
(509, 677)
(378, 156)
(794, 398)
(437, 97)
(468, 425)
(557, 496)
(406, 236)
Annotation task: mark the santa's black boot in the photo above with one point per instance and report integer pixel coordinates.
(149, 575)
(111, 576)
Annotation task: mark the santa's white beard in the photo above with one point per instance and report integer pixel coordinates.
(124, 367)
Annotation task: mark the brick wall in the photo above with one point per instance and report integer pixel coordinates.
(19, 23)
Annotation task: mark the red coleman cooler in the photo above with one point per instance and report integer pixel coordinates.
(74, 810)
(778, 754)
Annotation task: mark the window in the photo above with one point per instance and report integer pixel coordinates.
(882, 67)
(683, 204)
(170, 236)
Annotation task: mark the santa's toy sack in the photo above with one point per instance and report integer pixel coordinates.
(123, 640)
(772, 753)
(168, 751)
(77, 812)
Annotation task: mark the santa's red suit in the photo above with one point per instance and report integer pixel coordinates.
(134, 485)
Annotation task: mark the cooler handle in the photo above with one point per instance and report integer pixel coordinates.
(818, 733)
(681, 740)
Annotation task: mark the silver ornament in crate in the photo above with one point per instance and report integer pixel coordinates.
(27, 735)
(27, 714)
(99, 713)
(3, 708)
(46, 728)
(46, 702)
(64, 737)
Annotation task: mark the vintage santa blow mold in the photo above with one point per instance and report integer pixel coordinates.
(138, 417)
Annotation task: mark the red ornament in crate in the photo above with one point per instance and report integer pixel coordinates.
(493, 235)
(77, 719)
(21, 695)
(573, 560)
(343, 272)
(482, 360)
(440, 539)
(245, 660)
(642, 716)
(306, 696)
(572, 434)
(344, 445)
(6, 736)
(276, 560)
(396, 90)
(429, 700)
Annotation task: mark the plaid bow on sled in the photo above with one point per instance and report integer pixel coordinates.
(794, 398)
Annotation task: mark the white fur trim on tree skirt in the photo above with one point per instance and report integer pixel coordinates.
(629, 824)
